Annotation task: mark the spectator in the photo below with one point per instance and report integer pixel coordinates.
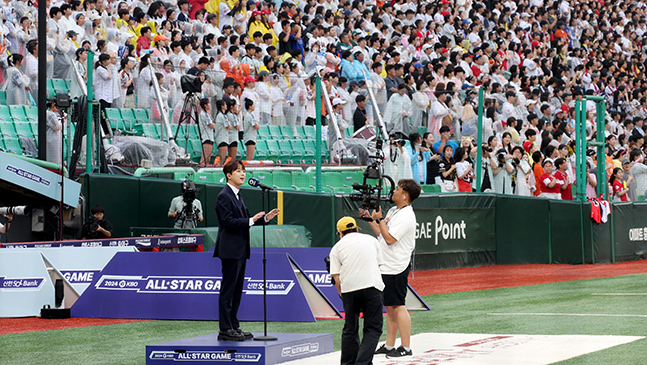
(619, 189)
(17, 84)
(464, 170)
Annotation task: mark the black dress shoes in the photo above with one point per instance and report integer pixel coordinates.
(231, 335)
(247, 335)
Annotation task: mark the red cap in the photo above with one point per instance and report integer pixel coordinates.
(249, 79)
(527, 145)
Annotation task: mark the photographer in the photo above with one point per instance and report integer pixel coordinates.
(185, 208)
(5, 227)
(97, 227)
(397, 236)
(397, 163)
(355, 268)
(502, 173)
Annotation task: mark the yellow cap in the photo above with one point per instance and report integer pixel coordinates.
(346, 223)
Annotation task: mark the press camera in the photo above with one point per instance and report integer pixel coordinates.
(369, 195)
(17, 210)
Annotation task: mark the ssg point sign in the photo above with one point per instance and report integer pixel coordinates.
(448, 231)
(453, 230)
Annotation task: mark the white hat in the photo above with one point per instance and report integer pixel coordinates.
(337, 101)
(426, 46)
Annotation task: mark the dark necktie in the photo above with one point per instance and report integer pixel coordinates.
(242, 204)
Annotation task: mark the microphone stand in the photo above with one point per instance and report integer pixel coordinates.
(265, 337)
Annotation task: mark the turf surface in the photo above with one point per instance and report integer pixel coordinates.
(462, 312)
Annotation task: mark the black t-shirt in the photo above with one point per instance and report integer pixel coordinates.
(284, 46)
(193, 71)
(104, 223)
(359, 119)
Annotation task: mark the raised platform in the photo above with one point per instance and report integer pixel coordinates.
(208, 350)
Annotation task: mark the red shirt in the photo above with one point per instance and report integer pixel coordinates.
(545, 180)
(567, 194)
(476, 71)
(142, 43)
(618, 186)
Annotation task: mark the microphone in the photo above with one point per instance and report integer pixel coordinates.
(257, 184)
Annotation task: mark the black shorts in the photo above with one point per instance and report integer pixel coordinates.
(208, 142)
(223, 144)
(250, 143)
(233, 144)
(395, 288)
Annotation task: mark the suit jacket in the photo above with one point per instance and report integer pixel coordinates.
(233, 226)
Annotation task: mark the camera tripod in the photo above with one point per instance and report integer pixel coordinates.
(189, 113)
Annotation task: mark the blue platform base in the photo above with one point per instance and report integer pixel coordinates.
(208, 350)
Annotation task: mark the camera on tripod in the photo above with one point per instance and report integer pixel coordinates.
(189, 214)
(191, 84)
(370, 196)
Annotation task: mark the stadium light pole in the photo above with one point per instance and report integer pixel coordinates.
(318, 134)
(479, 139)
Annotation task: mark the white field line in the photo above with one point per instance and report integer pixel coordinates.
(570, 314)
(619, 294)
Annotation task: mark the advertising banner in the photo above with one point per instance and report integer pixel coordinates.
(37, 179)
(25, 285)
(451, 230)
(186, 287)
(630, 231)
(79, 265)
(144, 242)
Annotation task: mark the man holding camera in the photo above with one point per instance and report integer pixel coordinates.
(97, 227)
(185, 208)
(354, 267)
(5, 227)
(397, 236)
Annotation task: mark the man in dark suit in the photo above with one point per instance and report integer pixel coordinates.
(232, 247)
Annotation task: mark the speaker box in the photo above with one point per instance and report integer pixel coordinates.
(54, 313)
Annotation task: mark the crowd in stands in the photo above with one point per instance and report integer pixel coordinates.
(419, 63)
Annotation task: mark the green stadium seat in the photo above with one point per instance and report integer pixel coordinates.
(354, 177)
(302, 181)
(12, 144)
(273, 150)
(287, 132)
(34, 128)
(285, 146)
(285, 152)
(275, 132)
(264, 177)
(141, 115)
(206, 177)
(23, 129)
(282, 180)
(7, 129)
(193, 131)
(264, 132)
(430, 189)
(334, 181)
(32, 112)
(148, 130)
(309, 131)
(5, 114)
(422, 130)
(348, 133)
(307, 156)
(18, 113)
(129, 119)
(300, 132)
(60, 86)
(3, 97)
(260, 153)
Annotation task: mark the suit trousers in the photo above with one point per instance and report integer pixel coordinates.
(369, 302)
(231, 292)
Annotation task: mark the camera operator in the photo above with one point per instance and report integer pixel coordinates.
(397, 236)
(96, 226)
(186, 216)
(355, 267)
(397, 161)
(5, 227)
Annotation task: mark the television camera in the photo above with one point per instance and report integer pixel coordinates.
(370, 196)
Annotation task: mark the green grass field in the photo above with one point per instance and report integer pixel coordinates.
(466, 312)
